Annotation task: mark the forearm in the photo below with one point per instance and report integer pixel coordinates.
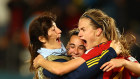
(61, 68)
(132, 66)
(92, 66)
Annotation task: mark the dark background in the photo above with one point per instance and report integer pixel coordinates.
(15, 16)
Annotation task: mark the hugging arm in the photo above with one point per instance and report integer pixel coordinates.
(58, 68)
(132, 66)
(87, 67)
(92, 66)
(61, 68)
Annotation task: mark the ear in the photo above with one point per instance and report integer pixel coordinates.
(67, 47)
(42, 39)
(98, 31)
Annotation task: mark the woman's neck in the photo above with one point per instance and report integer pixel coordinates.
(101, 40)
(51, 44)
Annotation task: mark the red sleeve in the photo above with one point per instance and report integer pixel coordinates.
(92, 53)
(96, 51)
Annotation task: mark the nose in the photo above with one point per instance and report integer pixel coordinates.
(75, 51)
(80, 34)
(59, 31)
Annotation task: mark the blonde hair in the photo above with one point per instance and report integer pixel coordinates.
(101, 20)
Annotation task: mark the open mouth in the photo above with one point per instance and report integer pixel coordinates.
(85, 42)
(58, 39)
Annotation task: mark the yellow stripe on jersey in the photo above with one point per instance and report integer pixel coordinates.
(104, 53)
(92, 60)
(97, 57)
(93, 64)
(95, 60)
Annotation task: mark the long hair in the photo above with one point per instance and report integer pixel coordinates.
(101, 20)
(39, 27)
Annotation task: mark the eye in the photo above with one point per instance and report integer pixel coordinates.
(53, 29)
(83, 29)
(72, 46)
(81, 47)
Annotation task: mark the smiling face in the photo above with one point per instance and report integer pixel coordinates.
(76, 46)
(87, 33)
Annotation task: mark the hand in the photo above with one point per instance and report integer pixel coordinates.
(113, 63)
(117, 46)
(37, 60)
(74, 57)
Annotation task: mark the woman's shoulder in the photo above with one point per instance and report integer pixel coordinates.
(54, 57)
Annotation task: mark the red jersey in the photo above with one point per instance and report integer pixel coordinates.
(121, 72)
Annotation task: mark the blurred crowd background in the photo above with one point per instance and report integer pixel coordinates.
(16, 15)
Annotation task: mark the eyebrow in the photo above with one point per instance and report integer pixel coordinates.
(53, 27)
(71, 44)
(82, 28)
(82, 45)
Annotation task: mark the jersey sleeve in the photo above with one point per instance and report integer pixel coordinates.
(97, 50)
(92, 66)
(51, 75)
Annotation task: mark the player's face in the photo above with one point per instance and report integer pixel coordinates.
(54, 34)
(76, 47)
(87, 33)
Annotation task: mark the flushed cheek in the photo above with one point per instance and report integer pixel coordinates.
(70, 51)
(81, 53)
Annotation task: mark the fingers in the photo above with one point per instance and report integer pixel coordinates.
(105, 64)
(107, 67)
(114, 41)
(110, 68)
(113, 44)
(117, 46)
(36, 61)
(35, 64)
(113, 63)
